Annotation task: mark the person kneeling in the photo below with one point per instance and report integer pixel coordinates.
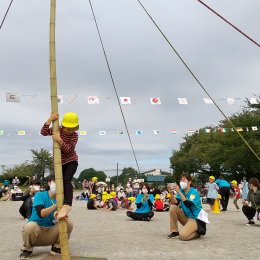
(185, 208)
(42, 228)
(144, 204)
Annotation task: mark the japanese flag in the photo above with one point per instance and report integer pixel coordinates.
(125, 100)
(254, 128)
(93, 100)
(155, 101)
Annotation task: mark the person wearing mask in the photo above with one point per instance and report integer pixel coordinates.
(42, 228)
(251, 206)
(144, 203)
(224, 191)
(185, 208)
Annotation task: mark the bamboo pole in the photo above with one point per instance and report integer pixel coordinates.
(65, 255)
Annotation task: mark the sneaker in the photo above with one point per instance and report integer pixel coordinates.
(55, 251)
(25, 254)
(250, 222)
(147, 219)
(173, 234)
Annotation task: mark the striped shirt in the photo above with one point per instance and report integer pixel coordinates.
(68, 153)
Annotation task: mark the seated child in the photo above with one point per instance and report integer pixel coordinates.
(92, 203)
(158, 204)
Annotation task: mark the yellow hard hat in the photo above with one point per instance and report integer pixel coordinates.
(132, 199)
(157, 197)
(212, 178)
(234, 182)
(94, 179)
(70, 120)
(104, 193)
(113, 194)
(92, 196)
(108, 197)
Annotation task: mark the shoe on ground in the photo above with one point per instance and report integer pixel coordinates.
(55, 251)
(250, 222)
(25, 254)
(147, 219)
(173, 234)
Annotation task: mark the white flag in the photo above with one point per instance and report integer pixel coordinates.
(155, 101)
(12, 97)
(183, 101)
(125, 100)
(253, 101)
(208, 101)
(254, 128)
(60, 99)
(231, 101)
(93, 100)
(102, 132)
(156, 132)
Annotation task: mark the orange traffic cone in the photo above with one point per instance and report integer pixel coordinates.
(216, 207)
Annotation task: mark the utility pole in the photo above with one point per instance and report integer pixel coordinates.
(117, 174)
(63, 232)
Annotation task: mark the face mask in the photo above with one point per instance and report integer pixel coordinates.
(144, 191)
(183, 185)
(53, 188)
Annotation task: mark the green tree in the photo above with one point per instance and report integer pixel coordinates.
(125, 175)
(22, 171)
(42, 161)
(216, 152)
(88, 174)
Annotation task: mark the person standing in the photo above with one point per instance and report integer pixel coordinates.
(245, 189)
(212, 191)
(224, 191)
(237, 193)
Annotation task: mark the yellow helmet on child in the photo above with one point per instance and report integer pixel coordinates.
(234, 182)
(113, 194)
(157, 197)
(70, 120)
(92, 196)
(94, 179)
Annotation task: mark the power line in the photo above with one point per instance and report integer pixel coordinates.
(113, 82)
(197, 80)
(221, 17)
(6, 14)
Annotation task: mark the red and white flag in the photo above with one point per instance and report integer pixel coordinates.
(93, 100)
(125, 100)
(173, 131)
(155, 100)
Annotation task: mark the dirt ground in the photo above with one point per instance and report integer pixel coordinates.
(112, 235)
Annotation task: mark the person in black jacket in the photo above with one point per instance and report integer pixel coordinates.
(26, 208)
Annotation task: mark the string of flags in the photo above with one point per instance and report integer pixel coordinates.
(136, 132)
(96, 100)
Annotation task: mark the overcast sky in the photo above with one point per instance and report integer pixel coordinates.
(143, 66)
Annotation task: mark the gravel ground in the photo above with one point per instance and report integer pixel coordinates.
(113, 235)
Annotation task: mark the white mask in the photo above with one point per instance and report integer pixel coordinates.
(144, 191)
(53, 188)
(183, 185)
